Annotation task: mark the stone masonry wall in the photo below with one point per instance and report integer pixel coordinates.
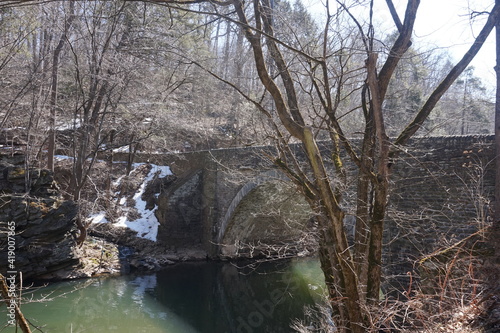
(440, 187)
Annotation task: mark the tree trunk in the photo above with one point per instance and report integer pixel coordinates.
(53, 88)
(381, 183)
(497, 126)
(363, 203)
(333, 279)
(495, 232)
(335, 239)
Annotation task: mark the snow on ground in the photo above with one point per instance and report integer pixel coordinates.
(62, 157)
(122, 149)
(147, 224)
(99, 218)
(68, 125)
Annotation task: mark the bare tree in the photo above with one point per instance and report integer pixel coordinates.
(330, 84)
(497, 124)
(69, 17)
(352, 273)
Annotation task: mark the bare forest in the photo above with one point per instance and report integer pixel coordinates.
(91, 78)
(164, 78)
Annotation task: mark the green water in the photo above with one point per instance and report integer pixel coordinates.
(201, 298)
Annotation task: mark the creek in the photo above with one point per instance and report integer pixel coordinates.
(184, 298)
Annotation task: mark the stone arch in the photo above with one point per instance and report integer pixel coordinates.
(266, 214)
(262, 178)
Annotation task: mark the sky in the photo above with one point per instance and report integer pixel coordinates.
(444, 24)
(447, 23)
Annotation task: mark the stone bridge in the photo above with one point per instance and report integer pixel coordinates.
(225, 198)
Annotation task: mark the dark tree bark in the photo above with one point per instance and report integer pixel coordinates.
(497, 125)
(54, 86)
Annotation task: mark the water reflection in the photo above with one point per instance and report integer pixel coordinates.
(202, 298)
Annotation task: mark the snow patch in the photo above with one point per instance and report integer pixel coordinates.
(98, 218)
(62, 157)
(122, 149)
(147, 224)
(68, 125)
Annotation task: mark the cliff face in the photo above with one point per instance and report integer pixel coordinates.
(43, 244)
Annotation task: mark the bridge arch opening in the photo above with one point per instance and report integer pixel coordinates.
(268, 217)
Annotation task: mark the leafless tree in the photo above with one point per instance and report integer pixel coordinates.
(352, 274)
(331, 84)
(51, 146)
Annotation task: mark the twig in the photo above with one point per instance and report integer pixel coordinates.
(449, 248)
(10, 301)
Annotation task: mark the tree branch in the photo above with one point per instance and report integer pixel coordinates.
(395, 15)
(401, 45)
(255, 42)
(455, 72)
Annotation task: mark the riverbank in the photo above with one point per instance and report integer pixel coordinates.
(118, 251)
(110, 250)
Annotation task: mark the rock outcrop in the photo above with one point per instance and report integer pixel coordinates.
(35, 223)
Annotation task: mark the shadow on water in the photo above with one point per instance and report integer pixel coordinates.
(185, 298)
(223, 298)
